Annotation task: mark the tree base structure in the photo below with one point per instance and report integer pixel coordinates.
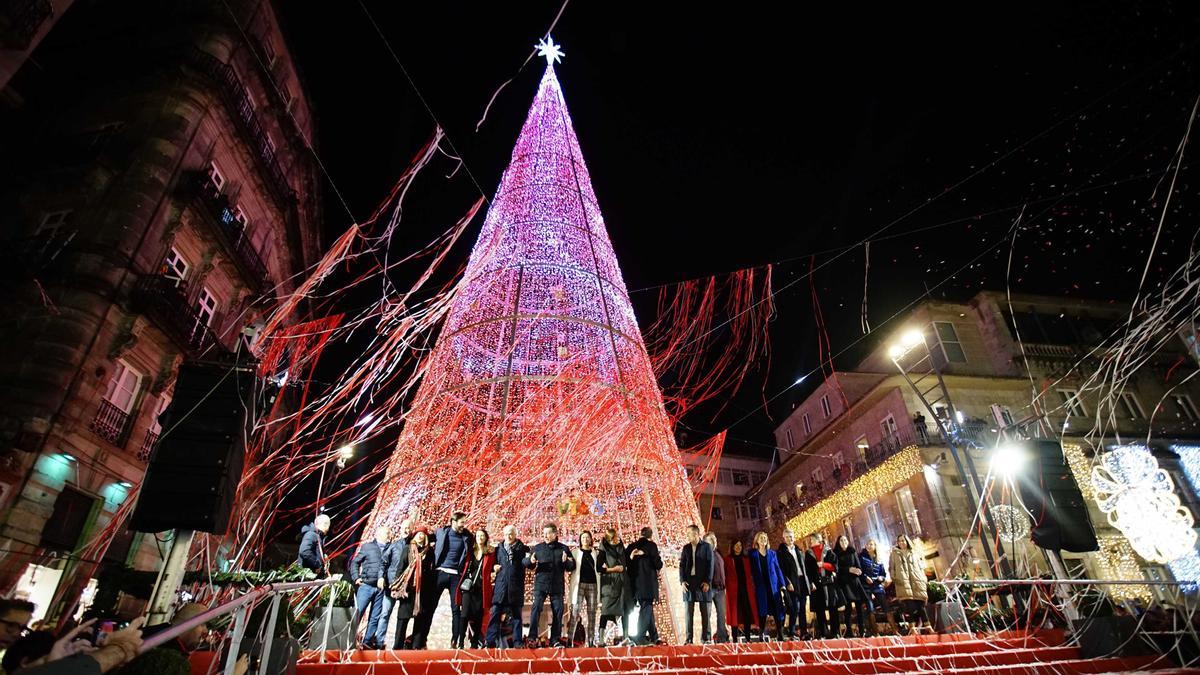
(1044, 651)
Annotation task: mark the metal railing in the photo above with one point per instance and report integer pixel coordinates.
(240, 608)
(111, 423)
(220, 209)
(234, 93)
(147, 448)
(163, 301)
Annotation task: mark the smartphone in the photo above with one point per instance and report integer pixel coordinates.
(103, 630)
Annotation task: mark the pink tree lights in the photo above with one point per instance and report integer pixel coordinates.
(538, 401)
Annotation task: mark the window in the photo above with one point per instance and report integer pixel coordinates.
(783, 498)
(123, 387)
(206, 307)
(862, 446)
(1131, 407)
(807, 425)
(818, 476)
(268, 53)
(159, 408)
(1187, 409)
(175, 267)
(908, 512)
(1071, 404)
(948, 339)
(825, 411)
(741, 478)
(887, 426)
(791, 442)
(747, 512)
(216, 180)
(716, 513)
(51, 223)
(72, 514)
(875, 522)
(799, 490)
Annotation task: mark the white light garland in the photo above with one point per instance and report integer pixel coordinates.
(1139, 499)
(1011, 522)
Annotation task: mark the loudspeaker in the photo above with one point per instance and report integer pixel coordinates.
(1049, 491)
(950, 617)
(193, 474)
(341, 630)
(1106, 636)
(285, 649)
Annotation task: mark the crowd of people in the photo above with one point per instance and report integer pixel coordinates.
(604, 582)
(81, 649)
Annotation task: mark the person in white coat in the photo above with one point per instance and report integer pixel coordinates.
(585, 588)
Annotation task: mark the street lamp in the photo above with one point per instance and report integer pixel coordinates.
(344, 454)
(1008, 459)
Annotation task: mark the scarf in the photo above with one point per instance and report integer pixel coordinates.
(412, 576)
(819, 551)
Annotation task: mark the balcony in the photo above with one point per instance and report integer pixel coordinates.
(159, 298)
(20, 21)
(232, 234)
(147, 445)
(242, 110)
(111, 423)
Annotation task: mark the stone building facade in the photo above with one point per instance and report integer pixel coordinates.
(159, 194)
(859, 461)
(722, 500)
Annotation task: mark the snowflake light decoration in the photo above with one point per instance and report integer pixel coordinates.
(551, 52)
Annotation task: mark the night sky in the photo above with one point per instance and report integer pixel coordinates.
(725, 136)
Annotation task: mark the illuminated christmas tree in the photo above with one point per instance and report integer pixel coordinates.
(538, 402)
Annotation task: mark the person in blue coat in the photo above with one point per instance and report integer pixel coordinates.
(367, 571)
(695, 575)
(874, 576)
(768, 585)
(508, 587)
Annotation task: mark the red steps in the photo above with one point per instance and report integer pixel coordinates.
(1007, 653)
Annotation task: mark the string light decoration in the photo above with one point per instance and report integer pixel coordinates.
(1117, 560)
(894, 470)
(1139, 499)
(539, 402)
(1011, 522)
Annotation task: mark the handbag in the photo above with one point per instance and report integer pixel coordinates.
(468, 583)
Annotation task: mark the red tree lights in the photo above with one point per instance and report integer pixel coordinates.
(539, 402)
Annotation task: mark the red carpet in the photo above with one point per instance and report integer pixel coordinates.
(1015, 652)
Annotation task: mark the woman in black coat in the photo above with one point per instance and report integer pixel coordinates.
(821, 566)
(415, 589)
(849, 583)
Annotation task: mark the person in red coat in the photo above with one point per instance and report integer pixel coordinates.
(475, 601)
(740, 604)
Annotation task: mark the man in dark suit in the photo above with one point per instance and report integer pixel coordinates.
(644, 564)
(452, 545)
(798, 587)
(549, 560)
(695, 574)
(508, 587)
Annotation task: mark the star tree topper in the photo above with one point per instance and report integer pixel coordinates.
(551, 51)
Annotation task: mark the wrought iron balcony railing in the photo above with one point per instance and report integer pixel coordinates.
(111, 423)
(147, 445)
(159, 298)
(242, 110)
(231, 232)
